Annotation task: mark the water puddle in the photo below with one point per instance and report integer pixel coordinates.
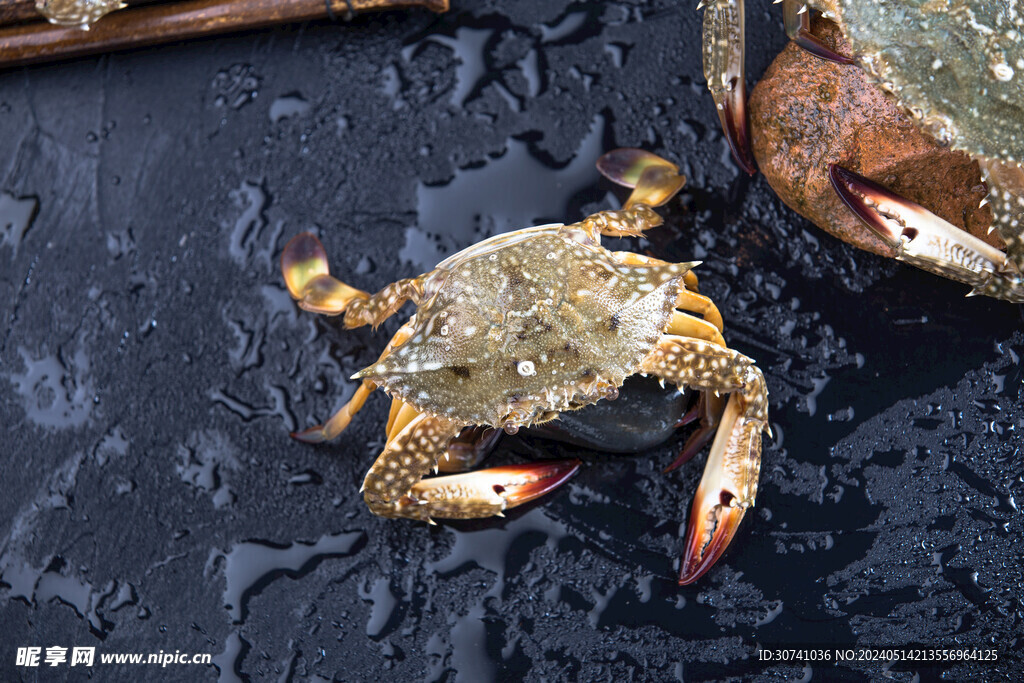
(205, 461)
(114, 444)
(55, 390)
(251, 566)
(16, 216)
(469, 45)
(384, 602)
(52, 584)
(278, 406)
(489, 548)
(515, 190)
(248, 244)
(287, 106)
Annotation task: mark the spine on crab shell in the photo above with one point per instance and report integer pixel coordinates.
(1006, 198)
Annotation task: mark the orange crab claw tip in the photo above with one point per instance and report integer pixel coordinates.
(734, 123)
(862, 196)
(302, 260)
(311, 435)
(701, 554)
(523, 483)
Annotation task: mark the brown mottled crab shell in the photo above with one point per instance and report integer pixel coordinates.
(957, 66)
(526, 324)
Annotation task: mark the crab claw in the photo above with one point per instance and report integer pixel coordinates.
(725, 72)
(920, 238)
(709, 410)
(307, 276)
(485, 492)
(798, 26)
(726, 490)
(655, 180)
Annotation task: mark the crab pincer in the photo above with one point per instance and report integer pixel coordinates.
(729, 484)
(920, 238)
(725, 71)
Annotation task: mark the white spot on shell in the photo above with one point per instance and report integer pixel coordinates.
(526, 368)
(1002, 71)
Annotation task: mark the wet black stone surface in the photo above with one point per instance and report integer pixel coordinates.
(152, 365)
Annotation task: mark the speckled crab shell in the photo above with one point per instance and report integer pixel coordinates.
(489, 342)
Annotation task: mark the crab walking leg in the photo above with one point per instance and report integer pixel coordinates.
(684, 325)
(396, 407)
(341, 419)
(710, 405)
(621, 223)
(394, 486)
(688, 299)
(654, 180)
(729, 484)
(405, 414)
(797, 18)
(709, 410)
(726, 74)
(306, 273)
(693, 284)
(698, 303)
(467, 449)
(925, 240)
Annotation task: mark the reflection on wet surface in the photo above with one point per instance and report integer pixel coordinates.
(152, 365)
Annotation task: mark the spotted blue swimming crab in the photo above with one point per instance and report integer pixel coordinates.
(521, 327)
(957, 67)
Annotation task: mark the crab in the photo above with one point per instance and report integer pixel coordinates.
(80, 13)
(957, 67)
(523, 326)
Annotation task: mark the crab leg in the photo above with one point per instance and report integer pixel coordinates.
(465, 451)
(925, 240)
(798, 27)
(306, 273)
(684, 325)
(468, 448)
(621, 223)
(710, 405)
(341, 419)
(729, 484)
(688, 298)
(725, 73)
(654, 180)
(709, 409)
(394, 486)
(698, 303)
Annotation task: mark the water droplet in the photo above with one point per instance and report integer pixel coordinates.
(288, 106)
